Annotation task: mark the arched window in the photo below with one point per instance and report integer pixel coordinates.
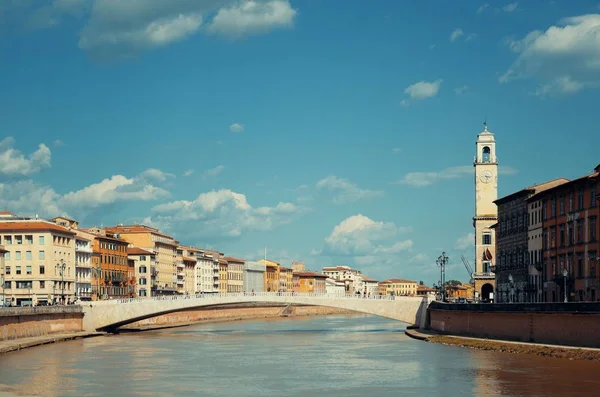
(485, 154)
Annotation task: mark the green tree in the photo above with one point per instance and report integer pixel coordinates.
(453, 283)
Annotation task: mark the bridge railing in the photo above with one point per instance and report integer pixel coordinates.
(220, 296)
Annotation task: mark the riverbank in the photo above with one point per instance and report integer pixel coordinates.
(240, 312)
(562, 352)
(23, 343)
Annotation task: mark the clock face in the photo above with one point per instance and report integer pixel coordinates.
(486, 176)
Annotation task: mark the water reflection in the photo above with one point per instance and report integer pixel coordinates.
(334, 356)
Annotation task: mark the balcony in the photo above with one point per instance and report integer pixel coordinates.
(83, 248)
(180, 282)
(180, 274)
(153, 272)
(180, 265)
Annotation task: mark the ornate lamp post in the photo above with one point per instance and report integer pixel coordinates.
(60, 267)
(441, 261)
(565, 274)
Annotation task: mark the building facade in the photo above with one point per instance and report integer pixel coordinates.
(144, 264)
(83, 267)
(486, 213)
(398, 287)
(113, 278)
(272, 279)
(254, 276)
(235, 274)
(570, 214)
(223, 280)
(371, 286)
(335, 287)
(352, 278)
(163, 245)
(310, 282)
(39, 262)
(2, 252)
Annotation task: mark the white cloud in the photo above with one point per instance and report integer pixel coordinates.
(188, 172)
(461, 90)
(471, 36)
(58, 143)
(464, 242)
(29, 198)
(111, 190)
(235, 127)
(396, 150)
(419, 258)
(154, 173)
(482, 8)
(564, 59)
(420, 179)
(456, 33)
(368, 242)
(220, 213)
(251, 16)
(213, 172)
(511, 7)
(346, 191)
(422, 90)
(14, 163)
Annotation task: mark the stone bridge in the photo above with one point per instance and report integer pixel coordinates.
(111, 314)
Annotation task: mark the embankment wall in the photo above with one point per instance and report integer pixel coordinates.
(26, 322)
(568, 324)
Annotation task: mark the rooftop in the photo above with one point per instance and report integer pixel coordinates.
(532, 190)
(232, 259)
(310, 274)
(138, 251)
(31, 226)
(136, 229)
(397, 281)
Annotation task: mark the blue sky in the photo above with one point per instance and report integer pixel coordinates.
(330, 132)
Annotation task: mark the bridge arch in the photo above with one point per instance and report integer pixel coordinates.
(109, 315)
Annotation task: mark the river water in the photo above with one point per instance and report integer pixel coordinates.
(330, 356)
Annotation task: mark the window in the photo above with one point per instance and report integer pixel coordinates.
(580, 199)
(561, 240)
(143, 269)
(486, 266)
(7, 255)
(579, 231)
(41, 240)
(570, 233)
(18, 239)
(18, 270)
(485, 155)
(592, 229)
(42, 255)
(487, 239)
(553, 208)
(143, 292)
(593, 197)
(28, 239)
(580, 266)
(18, 255)
(42, 284)
(8, 240)
(42, 269)
(570, 202)
(7, 270)
(143, 258)
(562, 205)
(28, 269)
(28, 255)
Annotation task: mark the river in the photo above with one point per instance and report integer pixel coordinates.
(330, 356)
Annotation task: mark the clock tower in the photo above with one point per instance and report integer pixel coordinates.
(486, 213)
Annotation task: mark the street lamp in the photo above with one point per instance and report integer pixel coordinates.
(565, 274)
(60, 267)
(510, 292)
(441, 261)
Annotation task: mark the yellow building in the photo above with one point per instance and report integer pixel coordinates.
(235, 274)
(165, 248)
(223, 277)
(39, 262)
(398, 287)
(272, 278)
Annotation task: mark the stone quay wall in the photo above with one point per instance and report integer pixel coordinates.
(232, 313)
(567, 324)
(26, 322)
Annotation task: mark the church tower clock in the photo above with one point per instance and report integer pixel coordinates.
(486, 213)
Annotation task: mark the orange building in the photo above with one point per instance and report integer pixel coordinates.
(310, 282)
(113, 278)
(163, 245)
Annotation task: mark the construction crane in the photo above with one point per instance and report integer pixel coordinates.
(470, 271)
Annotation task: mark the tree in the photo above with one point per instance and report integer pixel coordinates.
(421, 283)
(453, 283)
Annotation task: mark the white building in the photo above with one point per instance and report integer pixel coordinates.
(83, 267)
(352, 278)
(254, 276)
(207, 271)
(145, 270)
(335, 287)
(371, 286)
